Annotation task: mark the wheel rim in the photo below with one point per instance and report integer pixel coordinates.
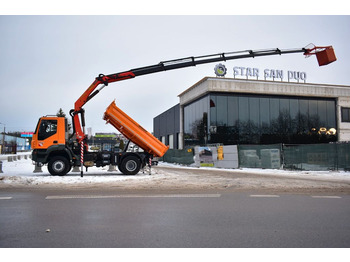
(58, 166)
(131, 165)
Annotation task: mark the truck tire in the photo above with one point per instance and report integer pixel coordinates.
(58, 165)
(130, 165)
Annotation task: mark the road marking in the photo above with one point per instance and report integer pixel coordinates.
(5, 198)
(264, 196)
(325, 196)
(134, 196)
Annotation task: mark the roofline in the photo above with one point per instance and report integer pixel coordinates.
(254, 80)
(194, 85)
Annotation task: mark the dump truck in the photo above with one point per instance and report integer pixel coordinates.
(54, 146)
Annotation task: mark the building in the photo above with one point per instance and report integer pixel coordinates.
(166, 127)
(12, 144)
(234, 111)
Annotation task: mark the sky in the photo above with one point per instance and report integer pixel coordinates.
(48, 61)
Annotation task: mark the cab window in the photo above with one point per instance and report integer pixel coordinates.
(47, 128)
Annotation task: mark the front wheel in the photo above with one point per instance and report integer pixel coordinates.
(58, 165)
(130, 165)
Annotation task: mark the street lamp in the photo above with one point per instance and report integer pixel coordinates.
(3, 139)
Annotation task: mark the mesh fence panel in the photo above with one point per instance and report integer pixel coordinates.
(318, 157)
(309, 157)
(343, 153)
(260, 156)
(179, 156)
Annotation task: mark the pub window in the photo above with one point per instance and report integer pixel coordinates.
(345, 114)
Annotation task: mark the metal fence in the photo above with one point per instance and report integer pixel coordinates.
(317, 157)
(260, 156)
(179, 156)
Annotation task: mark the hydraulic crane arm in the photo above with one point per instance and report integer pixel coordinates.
(104, 80)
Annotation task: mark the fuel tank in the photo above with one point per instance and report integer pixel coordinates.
(133, 131)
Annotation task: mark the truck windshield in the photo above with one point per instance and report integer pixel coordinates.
(47, 128)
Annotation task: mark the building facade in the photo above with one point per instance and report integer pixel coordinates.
(166, 127)
(243, 111)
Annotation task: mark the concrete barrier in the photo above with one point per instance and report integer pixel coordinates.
(76, 169)
(14, 157)
(37, 168)
(111, 168)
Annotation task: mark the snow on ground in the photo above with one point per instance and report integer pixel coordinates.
(20, 174)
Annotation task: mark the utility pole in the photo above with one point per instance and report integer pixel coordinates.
(3, 139)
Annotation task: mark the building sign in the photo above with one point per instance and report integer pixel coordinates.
(104, 135)
(267, 74)
(27, 134)
(220, 70)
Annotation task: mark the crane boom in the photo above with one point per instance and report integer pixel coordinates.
(164, 66)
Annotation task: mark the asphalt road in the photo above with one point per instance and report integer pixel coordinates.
(110, 218)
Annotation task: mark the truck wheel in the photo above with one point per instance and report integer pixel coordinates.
(58, 165)
(130, 165)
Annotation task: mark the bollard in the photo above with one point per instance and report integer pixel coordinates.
(37, 168)
(1, 167)
(9, 159)
(76, 169)
(25, 157)
(18, 157)
(150, 165)
(14, 158)
(111, 168)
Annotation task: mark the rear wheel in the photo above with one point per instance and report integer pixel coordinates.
(130, 165)
(58, 165)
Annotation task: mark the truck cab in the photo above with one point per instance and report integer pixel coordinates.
(49, 145)
(49, 131)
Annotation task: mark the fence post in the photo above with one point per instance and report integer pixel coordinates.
(336, 157)
(282, 156)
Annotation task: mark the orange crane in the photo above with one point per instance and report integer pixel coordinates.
(53, 146)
